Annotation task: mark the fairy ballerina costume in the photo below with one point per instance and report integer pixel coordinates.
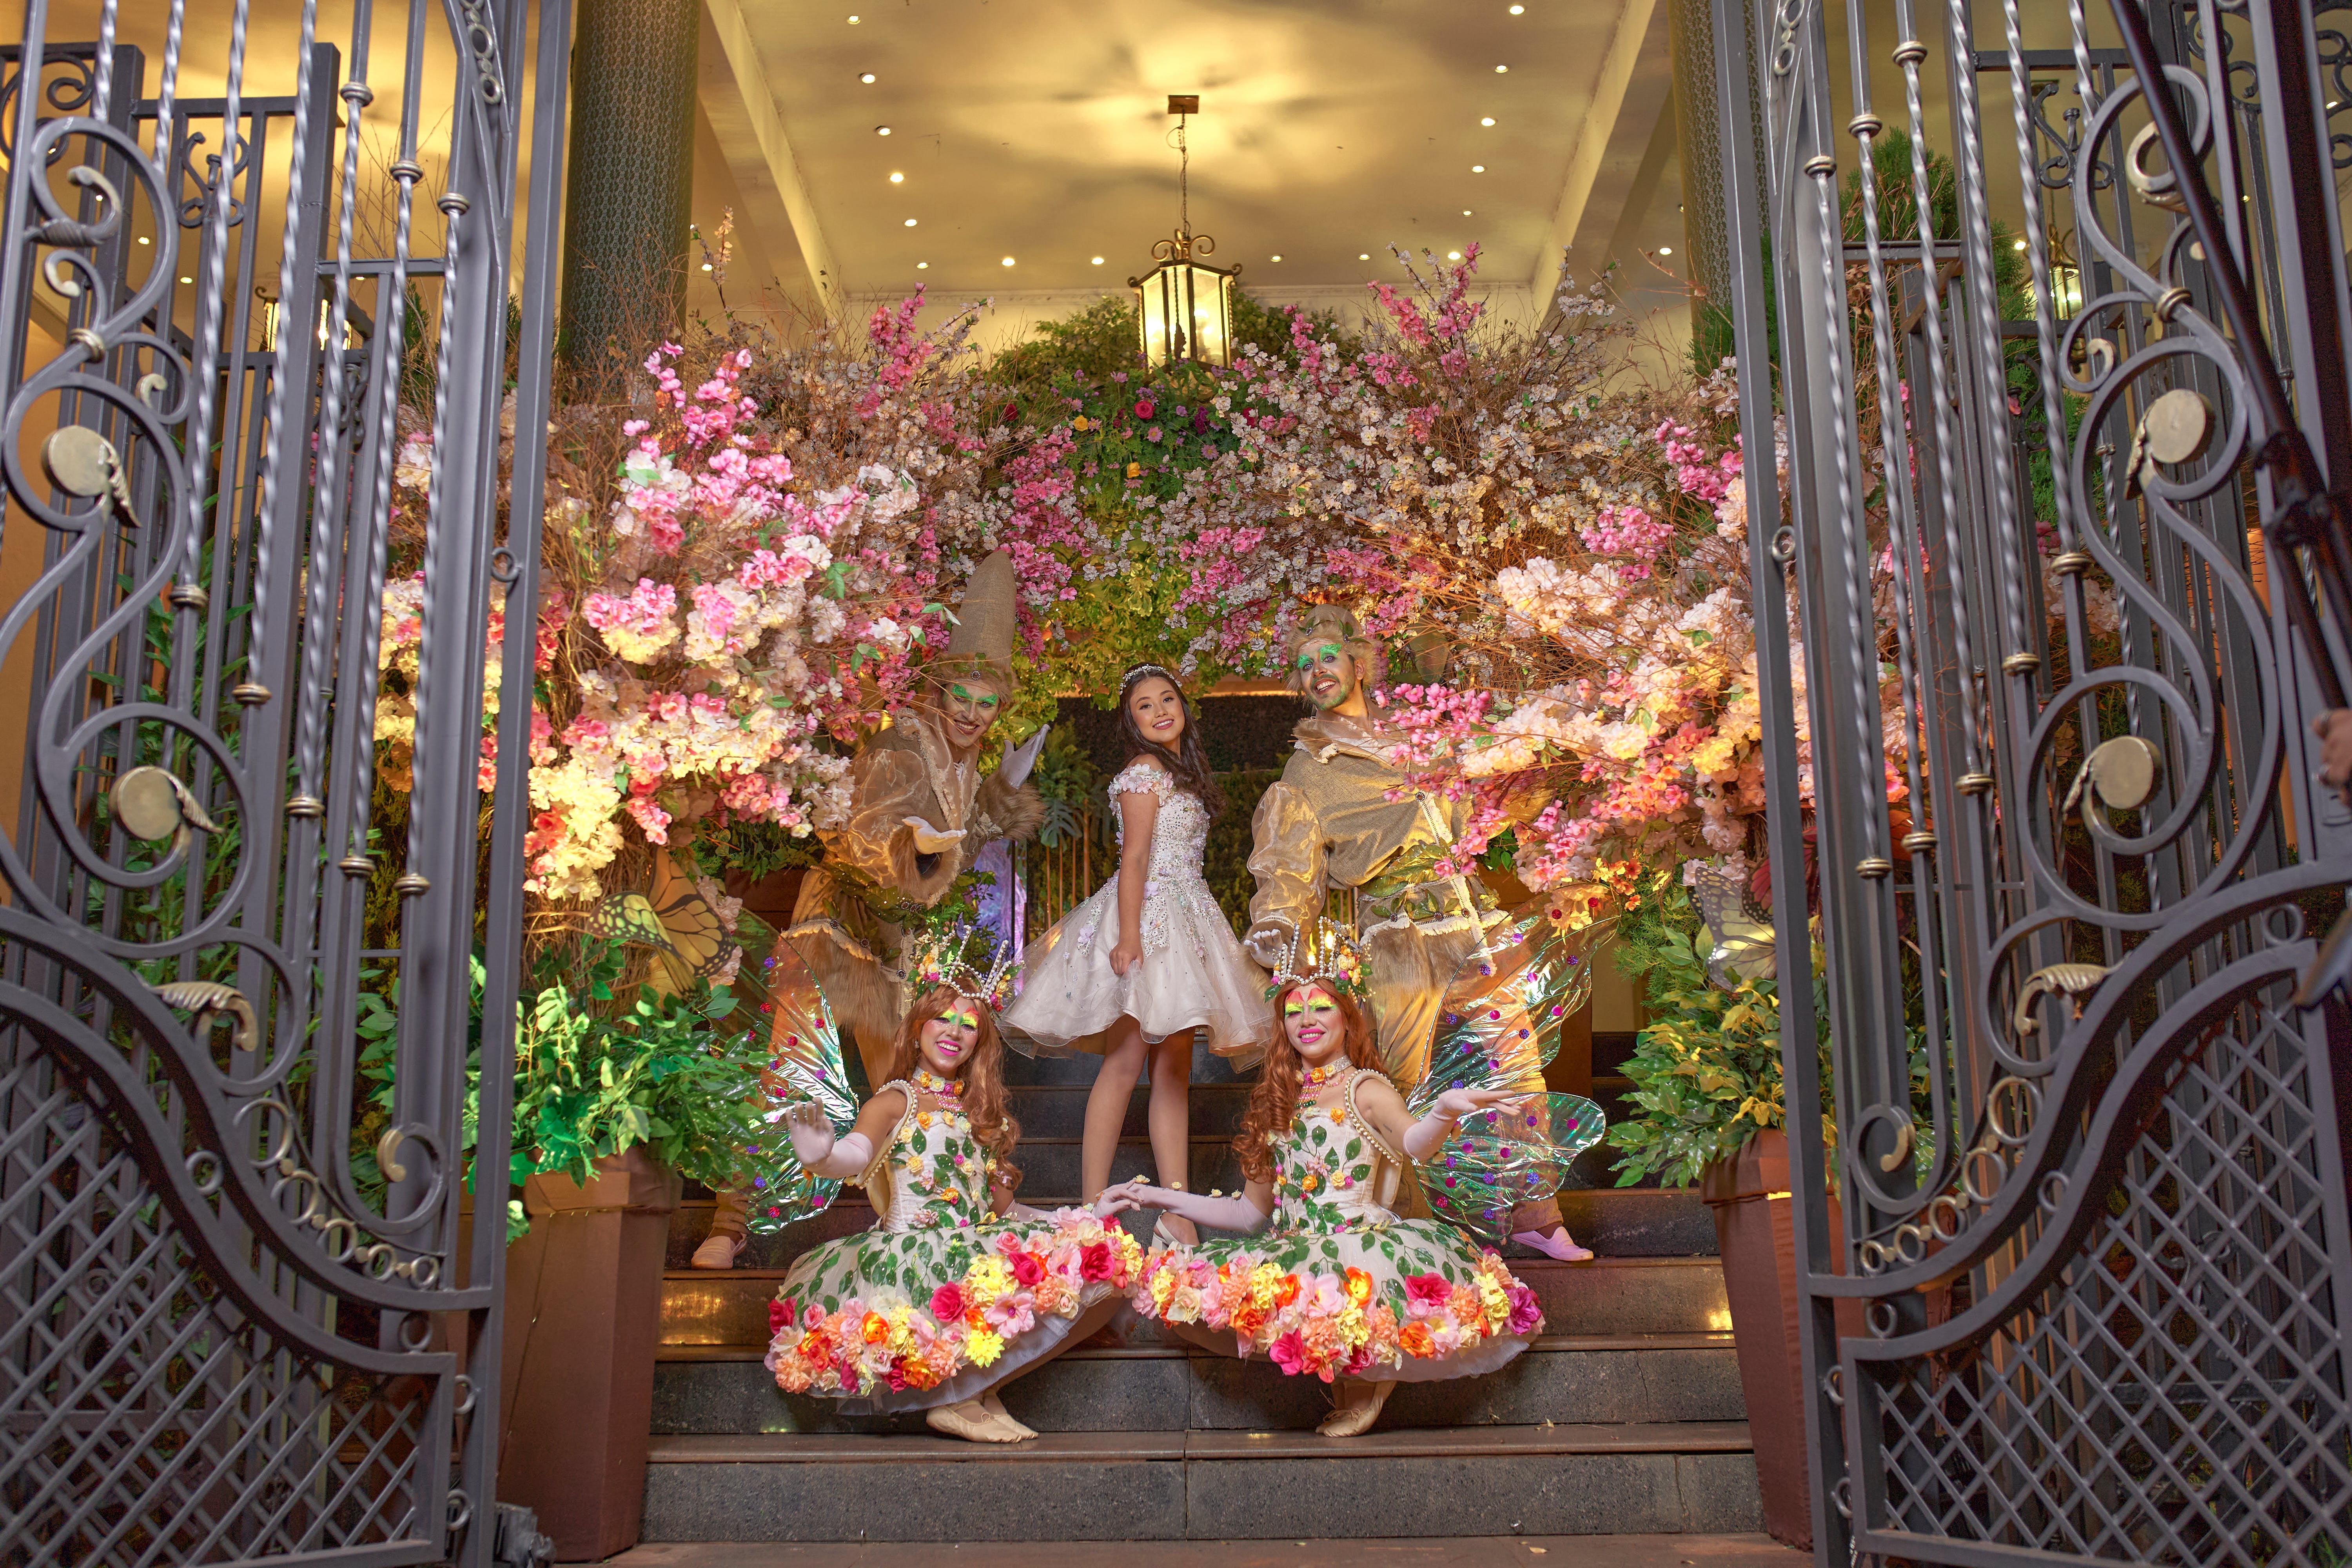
(1334, 1279)
(956, 1290)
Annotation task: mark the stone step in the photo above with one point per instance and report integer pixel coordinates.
(1222, 1485)
(1164, 1387)
(1059, 1110)
(1605, 1296)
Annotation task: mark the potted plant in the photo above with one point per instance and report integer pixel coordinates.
(1709, 1089)
(621, 1093)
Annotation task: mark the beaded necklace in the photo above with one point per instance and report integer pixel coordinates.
(937, 1088)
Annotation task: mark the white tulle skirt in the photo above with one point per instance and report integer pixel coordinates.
(1193, 974)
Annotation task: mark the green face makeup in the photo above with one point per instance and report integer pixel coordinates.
(957, 1018)
(1331, 656)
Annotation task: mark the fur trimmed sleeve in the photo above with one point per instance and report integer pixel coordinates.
(1004, 813)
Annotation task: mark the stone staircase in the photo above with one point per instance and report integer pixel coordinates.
(1626, 1416)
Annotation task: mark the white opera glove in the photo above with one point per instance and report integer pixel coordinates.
(815, 1146)
(1235, 1212)
(1014, 770)
(929, 840)
(1429, 1134)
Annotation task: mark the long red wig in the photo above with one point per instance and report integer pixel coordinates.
(1274, 1099)
(981, 1074)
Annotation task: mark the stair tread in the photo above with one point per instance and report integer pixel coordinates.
(1543, 1345)
(790, 1447)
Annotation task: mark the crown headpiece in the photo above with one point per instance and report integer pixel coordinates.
(1144, 670)
(965, 955)
(1322, 954)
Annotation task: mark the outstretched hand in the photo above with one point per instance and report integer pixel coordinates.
(1456, 1104)
(929, 840)
(810, 1134)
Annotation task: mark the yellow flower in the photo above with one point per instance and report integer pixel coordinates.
(1263, 1281)
(1353, 1328)
(983, 1346)
(1163, 1288)
(1081, 423)
(985, 1280)
(1134, 470)
(1496, 1306)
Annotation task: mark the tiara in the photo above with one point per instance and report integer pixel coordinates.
(944, 956)
(1321, 954)
(1158, 669)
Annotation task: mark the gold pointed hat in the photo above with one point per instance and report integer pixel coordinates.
(981, 643)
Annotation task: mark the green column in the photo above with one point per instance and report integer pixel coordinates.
(630, 202)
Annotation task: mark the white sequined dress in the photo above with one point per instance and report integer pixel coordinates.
(1194, 972)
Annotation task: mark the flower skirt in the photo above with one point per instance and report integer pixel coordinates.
(914, 1319)
(1410, 1300)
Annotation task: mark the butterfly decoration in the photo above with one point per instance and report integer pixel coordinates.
(804, 1063)
(1498, 1027)
(690, 938)
(1742, 943)
(628, 918)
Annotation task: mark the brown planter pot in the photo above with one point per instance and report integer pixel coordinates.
(583, 1321)
(1755, 1231)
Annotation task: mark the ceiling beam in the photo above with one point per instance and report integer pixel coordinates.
(1637, 73)
(782, 166)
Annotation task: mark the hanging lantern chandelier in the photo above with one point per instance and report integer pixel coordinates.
(1185, 306)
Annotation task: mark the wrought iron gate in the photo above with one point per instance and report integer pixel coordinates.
(254, 285)
(2042, 394)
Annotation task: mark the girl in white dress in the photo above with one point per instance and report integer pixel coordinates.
(1132, 972)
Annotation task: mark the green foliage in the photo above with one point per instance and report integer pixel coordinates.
(1068, 780)
(757, 850)
(1707, 1067)
(1224, 861)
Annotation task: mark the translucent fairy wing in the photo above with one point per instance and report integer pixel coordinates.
(1498, 1024)
(1498, 1159)
(1741, 946)
(803, 1064)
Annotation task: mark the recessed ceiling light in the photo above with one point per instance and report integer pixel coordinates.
(143, 239)
(910, 223)
(853, 21)
(1098, 261)
(1515, 11)
(1665, 250)
(896, 178)
(1278, 259)
(1008, 261)
(1477, 168)
(706, 267)
(868, 78)
(187, 280)
(881, 131)
(1466, 212)
(1501, 69)
(920, 265)
(1365, 255)
(1453, 255)
(2019, 244)
(1488, 120)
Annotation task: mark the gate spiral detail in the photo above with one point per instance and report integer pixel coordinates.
(257, 267)
(2057, 371)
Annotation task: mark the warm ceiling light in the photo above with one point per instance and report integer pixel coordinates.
(910, 223)
(853, 21)
(1278, 259)
(1008, 261)
(1453, 255)
(1501, 69)
(1515, 11)
(881, 131)
(706, 267)
(1665, 250)
(1097, 262)
(897, 179)
(143, 239)
(1365, 255)
(2019, 244)
(868, 78)
(1183, 306)
(187, 280)
(919, 266)
(1466, 212)
(1488, 120)
(1477, 168)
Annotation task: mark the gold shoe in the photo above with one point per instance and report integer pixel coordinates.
(1355, 1420)
(953, 1420)
(719, 1249)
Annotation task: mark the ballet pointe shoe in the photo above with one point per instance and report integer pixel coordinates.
(971, 1421)
(995, 1406)
(1355, 1417)
(1169, 1232)
(719, 1249)
(1556, 1243)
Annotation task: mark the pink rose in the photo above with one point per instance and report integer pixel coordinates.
(1427, 1290)
(1094, 1260)
(780, 1316)
(1527, 1315)
(1028, 1267)
(947, 1303)
(1143, 408)
(1289, 1353)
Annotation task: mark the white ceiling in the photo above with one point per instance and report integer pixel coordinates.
(1037, 129)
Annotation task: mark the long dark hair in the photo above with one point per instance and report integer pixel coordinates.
(1274, 1099)
(981, 1076)
(1188, 764)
